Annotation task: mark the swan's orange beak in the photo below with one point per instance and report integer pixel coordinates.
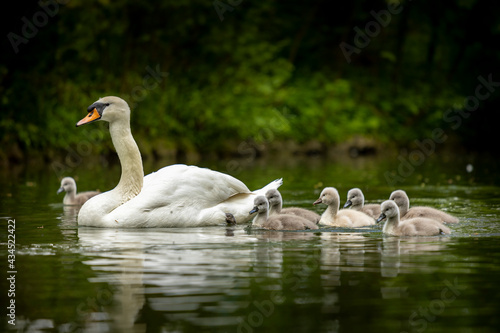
(92, 116)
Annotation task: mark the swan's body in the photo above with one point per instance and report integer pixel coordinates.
(68, 185)
(403, 202)
(346, 218)
(275, 200)
(175, 196)
(412, 227)
(277, 221)
(356, 200)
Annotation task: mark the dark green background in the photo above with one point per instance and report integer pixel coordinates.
(268, 72)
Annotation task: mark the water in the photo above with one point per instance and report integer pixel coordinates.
(233, 279)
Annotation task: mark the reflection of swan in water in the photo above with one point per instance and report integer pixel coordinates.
(180, 270)
(122, 260)
(397, 254)
(341, 251)
(395, 248)
(267, 258)
(68, 221)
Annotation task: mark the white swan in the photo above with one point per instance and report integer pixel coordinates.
(174, 196)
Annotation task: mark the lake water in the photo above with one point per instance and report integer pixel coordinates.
(234, 279)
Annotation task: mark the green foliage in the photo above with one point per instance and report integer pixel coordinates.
(268, 71)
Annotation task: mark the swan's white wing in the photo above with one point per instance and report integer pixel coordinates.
(192, 184)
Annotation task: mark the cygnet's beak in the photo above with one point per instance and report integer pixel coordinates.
(381, 217)
(254, 210)
(317, 201)
(60, 190)
(348, 203)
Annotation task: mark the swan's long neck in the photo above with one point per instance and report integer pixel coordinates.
(405, 206)
(391, 224)
(332, 209)
(276, 209)
(69, 197)
(132, 176)
(362, 202)
(260, 219)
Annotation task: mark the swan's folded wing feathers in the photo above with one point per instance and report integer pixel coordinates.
(193, 184)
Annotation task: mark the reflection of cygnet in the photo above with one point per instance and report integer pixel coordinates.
(276, 203)
(403, 202)
(332, 216)
(277, 221)
(356, 200)
(68, 185)
(413, 227)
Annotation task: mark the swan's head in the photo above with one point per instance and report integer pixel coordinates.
(329, 196)
(388, 209)
(260, 205)
(273, 196)
(68, 185)
(355, 197)
(109, 109)
(400, 198)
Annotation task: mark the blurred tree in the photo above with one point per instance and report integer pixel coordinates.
(197, 83)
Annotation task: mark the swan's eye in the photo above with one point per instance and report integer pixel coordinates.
(107, 104)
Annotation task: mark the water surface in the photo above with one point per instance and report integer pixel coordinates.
(234, 279)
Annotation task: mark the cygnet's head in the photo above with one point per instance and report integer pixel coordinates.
(400, 197)
(260, 205)
(355, 197)
(388, 209)
(273, 196)
(110, 109)
(329, 196)
(68, 185)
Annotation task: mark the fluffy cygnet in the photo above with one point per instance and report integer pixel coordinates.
(403, 202)
(277, 221)
(68, 185)
(275, 200)
(346, 218)
(418, 226)
(356, 200)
